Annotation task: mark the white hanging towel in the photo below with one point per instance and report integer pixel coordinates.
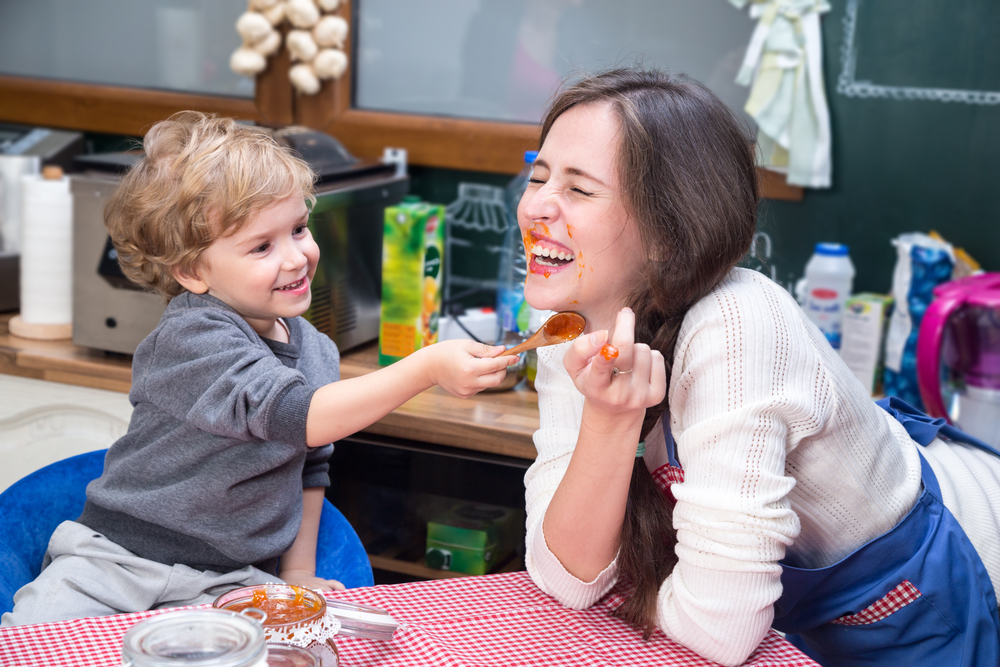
(784, 67)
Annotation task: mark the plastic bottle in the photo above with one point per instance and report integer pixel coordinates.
(513, 312)
(828, 280)
(535, 321)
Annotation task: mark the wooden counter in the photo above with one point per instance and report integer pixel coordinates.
(498, 423)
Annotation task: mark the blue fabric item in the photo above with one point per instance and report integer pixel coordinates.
(32, 508)
(339, 552)
(953, 622)
(929, 268)
(924, 428)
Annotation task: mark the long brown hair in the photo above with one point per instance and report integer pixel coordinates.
(686, 167)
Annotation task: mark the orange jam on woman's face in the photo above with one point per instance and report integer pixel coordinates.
(280, 610)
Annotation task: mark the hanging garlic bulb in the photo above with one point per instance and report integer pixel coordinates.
(330, 31)
(247, 62)
(304, 79)
(253, 27)
(301, 45)
(269, 45)
(330, 64)
(276, 14)
(302, 13)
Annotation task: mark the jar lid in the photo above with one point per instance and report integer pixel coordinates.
(195, 638)
(358, 620)
(279, 655)
(832, 249)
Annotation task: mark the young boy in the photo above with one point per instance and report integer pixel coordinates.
(236, 397)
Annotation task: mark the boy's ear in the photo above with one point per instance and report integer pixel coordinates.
(189, 280)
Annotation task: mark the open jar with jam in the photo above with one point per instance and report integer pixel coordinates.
(290, 615)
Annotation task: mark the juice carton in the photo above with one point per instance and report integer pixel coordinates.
(412, 252)
(863, 330)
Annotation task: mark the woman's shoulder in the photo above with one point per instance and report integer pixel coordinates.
(746, 312)
(744, 293)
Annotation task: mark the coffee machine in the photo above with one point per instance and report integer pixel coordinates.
(112, 314)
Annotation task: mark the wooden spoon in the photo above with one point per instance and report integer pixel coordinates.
(559, 328)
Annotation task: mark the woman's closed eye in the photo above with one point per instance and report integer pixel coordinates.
(578, 190)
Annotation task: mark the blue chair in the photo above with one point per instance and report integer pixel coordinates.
(32, 508)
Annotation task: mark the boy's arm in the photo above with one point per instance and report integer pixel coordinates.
(298, 564)
(461, 367)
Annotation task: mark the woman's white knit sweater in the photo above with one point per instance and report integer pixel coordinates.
(784, 453)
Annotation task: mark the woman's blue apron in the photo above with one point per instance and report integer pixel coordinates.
(918, 595)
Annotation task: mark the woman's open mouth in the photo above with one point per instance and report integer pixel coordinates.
(548, 258)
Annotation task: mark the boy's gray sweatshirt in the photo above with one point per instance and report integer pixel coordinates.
(211, 471)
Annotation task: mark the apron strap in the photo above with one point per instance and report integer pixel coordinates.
(924, 429)
(668, 440)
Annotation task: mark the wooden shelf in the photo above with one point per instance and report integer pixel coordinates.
(408, 559)
(497, 423)
(418, 569)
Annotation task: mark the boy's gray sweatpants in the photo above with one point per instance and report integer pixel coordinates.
(89, 575)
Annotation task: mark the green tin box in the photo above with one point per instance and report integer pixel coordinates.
(473, 537)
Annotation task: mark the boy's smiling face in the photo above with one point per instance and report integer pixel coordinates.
(265, 270)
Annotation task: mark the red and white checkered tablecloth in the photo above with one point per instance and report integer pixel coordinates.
(495, 620)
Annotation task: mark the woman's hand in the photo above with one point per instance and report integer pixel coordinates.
(641, 381)
(464, 367)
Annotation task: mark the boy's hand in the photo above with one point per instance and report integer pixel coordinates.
(642, 385)
(465, 367)
(307, 579)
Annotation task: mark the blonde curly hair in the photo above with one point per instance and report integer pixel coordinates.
(202, 177)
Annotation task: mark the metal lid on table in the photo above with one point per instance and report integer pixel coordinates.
(358, 620)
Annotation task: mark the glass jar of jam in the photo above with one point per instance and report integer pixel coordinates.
(280, 655)
(195, 638)
(290, 615)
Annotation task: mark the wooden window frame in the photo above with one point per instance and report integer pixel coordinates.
(430, 141)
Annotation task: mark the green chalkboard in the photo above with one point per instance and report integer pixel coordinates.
(914, 94)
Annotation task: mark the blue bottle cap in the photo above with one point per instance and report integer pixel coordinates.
(831, 249)
(530, 156)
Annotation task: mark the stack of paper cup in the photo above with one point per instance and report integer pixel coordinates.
(46, 257)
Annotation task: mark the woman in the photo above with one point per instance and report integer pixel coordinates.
(726, 466)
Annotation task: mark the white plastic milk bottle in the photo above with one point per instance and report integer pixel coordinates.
(829, 278)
